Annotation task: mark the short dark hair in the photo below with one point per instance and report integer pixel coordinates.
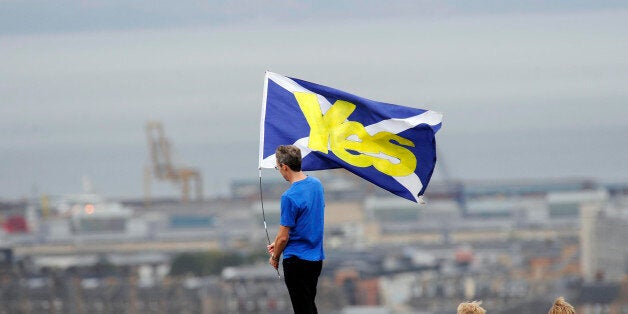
(290, 156)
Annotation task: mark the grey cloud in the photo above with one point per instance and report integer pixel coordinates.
(42, 16)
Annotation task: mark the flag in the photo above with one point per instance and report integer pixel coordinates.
(389, 145)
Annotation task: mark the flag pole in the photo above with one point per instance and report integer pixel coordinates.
(261, 198)
(261, 150)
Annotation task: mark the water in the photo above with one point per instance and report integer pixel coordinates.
(117, 170)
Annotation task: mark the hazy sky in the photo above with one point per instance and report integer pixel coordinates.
(522, 86)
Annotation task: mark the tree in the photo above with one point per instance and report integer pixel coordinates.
(206, 263)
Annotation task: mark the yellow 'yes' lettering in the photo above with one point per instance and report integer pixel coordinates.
(332, 131)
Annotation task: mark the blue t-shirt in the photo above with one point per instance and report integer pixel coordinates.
(303, 211)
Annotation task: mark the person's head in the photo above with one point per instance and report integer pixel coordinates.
(562, 307)
(290, 156)
(471, 308)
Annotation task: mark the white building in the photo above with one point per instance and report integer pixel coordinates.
(603, 241)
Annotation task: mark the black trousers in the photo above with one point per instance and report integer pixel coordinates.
(301, 278)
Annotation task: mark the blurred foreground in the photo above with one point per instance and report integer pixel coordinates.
(514, 245)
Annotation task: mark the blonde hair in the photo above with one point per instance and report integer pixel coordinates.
(562, 307)
(472, 307)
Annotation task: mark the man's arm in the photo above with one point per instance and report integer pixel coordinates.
(276, 248)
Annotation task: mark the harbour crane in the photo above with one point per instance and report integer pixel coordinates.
(162, 167)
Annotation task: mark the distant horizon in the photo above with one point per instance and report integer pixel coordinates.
(118, 174)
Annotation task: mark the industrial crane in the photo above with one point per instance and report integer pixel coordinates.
(162, 167)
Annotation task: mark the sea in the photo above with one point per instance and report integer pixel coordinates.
(117, 170)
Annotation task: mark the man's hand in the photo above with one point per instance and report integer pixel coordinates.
(271, 249)
(273, 262)
(276, 248)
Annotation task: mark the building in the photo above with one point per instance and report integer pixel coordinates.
(603, 234)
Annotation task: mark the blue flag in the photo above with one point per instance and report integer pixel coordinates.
(389, 145)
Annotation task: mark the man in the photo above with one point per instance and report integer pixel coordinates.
(470, 308)
(562, 307)
(300, 235)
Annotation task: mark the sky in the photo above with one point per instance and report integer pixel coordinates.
(529, 90)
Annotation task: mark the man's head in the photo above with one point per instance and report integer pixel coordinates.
(290, 156)
(562, 307)
(471, 308)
